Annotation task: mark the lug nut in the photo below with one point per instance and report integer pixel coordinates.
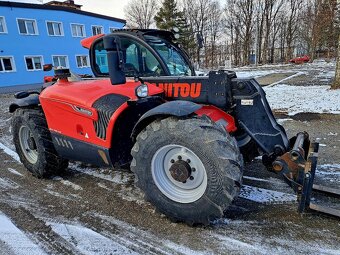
(188, 161)
(191, 177)
(193, 169)
(179, 157)
(172, 161)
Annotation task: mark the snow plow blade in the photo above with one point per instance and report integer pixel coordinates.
(298, 169)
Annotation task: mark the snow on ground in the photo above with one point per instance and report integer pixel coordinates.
(130, 235)
(16, 240)
(67, 183)
(261, 195)
(253, 74)
(115, 177)
(328, 169)
(87, 241)
(296, 99)
(13, 171)
(10, 152)
(6, 183)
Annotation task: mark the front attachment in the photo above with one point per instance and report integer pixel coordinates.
(298, 168)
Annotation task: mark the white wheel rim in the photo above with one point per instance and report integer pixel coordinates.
(183, 192)
(30, 154)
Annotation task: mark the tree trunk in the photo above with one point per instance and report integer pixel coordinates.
(336, 83)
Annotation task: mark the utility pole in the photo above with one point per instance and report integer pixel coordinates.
(336, 83)
(257, 33)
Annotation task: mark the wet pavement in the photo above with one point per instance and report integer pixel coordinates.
(99, 211)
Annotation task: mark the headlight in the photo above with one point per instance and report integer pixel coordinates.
(142, 90)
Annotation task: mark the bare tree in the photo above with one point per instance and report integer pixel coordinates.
(241, 13)
(336, 83)
(294, 7)
(197, 12)
(140, 13)
(270, 13)
(214, 30)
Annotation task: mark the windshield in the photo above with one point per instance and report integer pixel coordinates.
(171, 55)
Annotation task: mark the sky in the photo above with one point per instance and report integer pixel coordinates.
(113, 8)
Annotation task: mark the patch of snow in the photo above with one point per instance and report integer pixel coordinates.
(239, 245)
(117, 177)
(67, 183)
(296, 99)
(56, 194)
(253, 74)
(328, 169)
(261, 195)
(127, 192)
(270, 180)
(329, 74)
(102, 185)
(71, 184)
(15, 239)
(141, 238)
(281, 121)
(6, 183)
(11, 153)
(88, 241)
(331, 133)
(13, 171)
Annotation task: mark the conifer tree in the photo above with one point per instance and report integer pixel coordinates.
(169, 17)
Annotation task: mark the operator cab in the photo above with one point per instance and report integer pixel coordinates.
(143, 53)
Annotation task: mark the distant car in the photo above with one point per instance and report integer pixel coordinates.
(298, 60)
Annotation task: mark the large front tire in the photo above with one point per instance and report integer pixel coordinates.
(189, 169)
(34, 145)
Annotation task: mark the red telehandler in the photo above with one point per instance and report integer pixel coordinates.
(184, 136)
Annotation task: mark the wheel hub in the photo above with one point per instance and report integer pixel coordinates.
(180, 171)
(31, 143)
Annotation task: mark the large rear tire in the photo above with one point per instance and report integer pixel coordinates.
(189, 169)
(34, 145)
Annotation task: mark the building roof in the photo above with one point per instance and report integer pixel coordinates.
(58, 8)
(67, 3)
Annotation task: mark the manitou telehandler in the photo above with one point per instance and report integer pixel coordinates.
(184, 136)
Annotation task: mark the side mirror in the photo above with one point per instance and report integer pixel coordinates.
(47, 67)
(115, 59)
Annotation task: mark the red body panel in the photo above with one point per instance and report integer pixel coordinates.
(87, 42)
(216, 115)
(61, 100)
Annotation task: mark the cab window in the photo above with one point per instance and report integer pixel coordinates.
(139, 61)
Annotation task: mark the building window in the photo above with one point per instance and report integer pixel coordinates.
(60, 61)
(78, 30)
(96, 30)
(54, 28)
(82, 61)
(27, 26)
(3, 28)
(33, 63)
(7, 64)
(113, 29)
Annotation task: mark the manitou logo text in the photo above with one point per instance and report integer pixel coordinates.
(181, 89)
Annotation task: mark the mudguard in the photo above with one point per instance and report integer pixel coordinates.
(32, 100)
(176, 108)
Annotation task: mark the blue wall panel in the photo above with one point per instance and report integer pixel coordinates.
(19, 46)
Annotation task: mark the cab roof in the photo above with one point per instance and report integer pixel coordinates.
(140, 33)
